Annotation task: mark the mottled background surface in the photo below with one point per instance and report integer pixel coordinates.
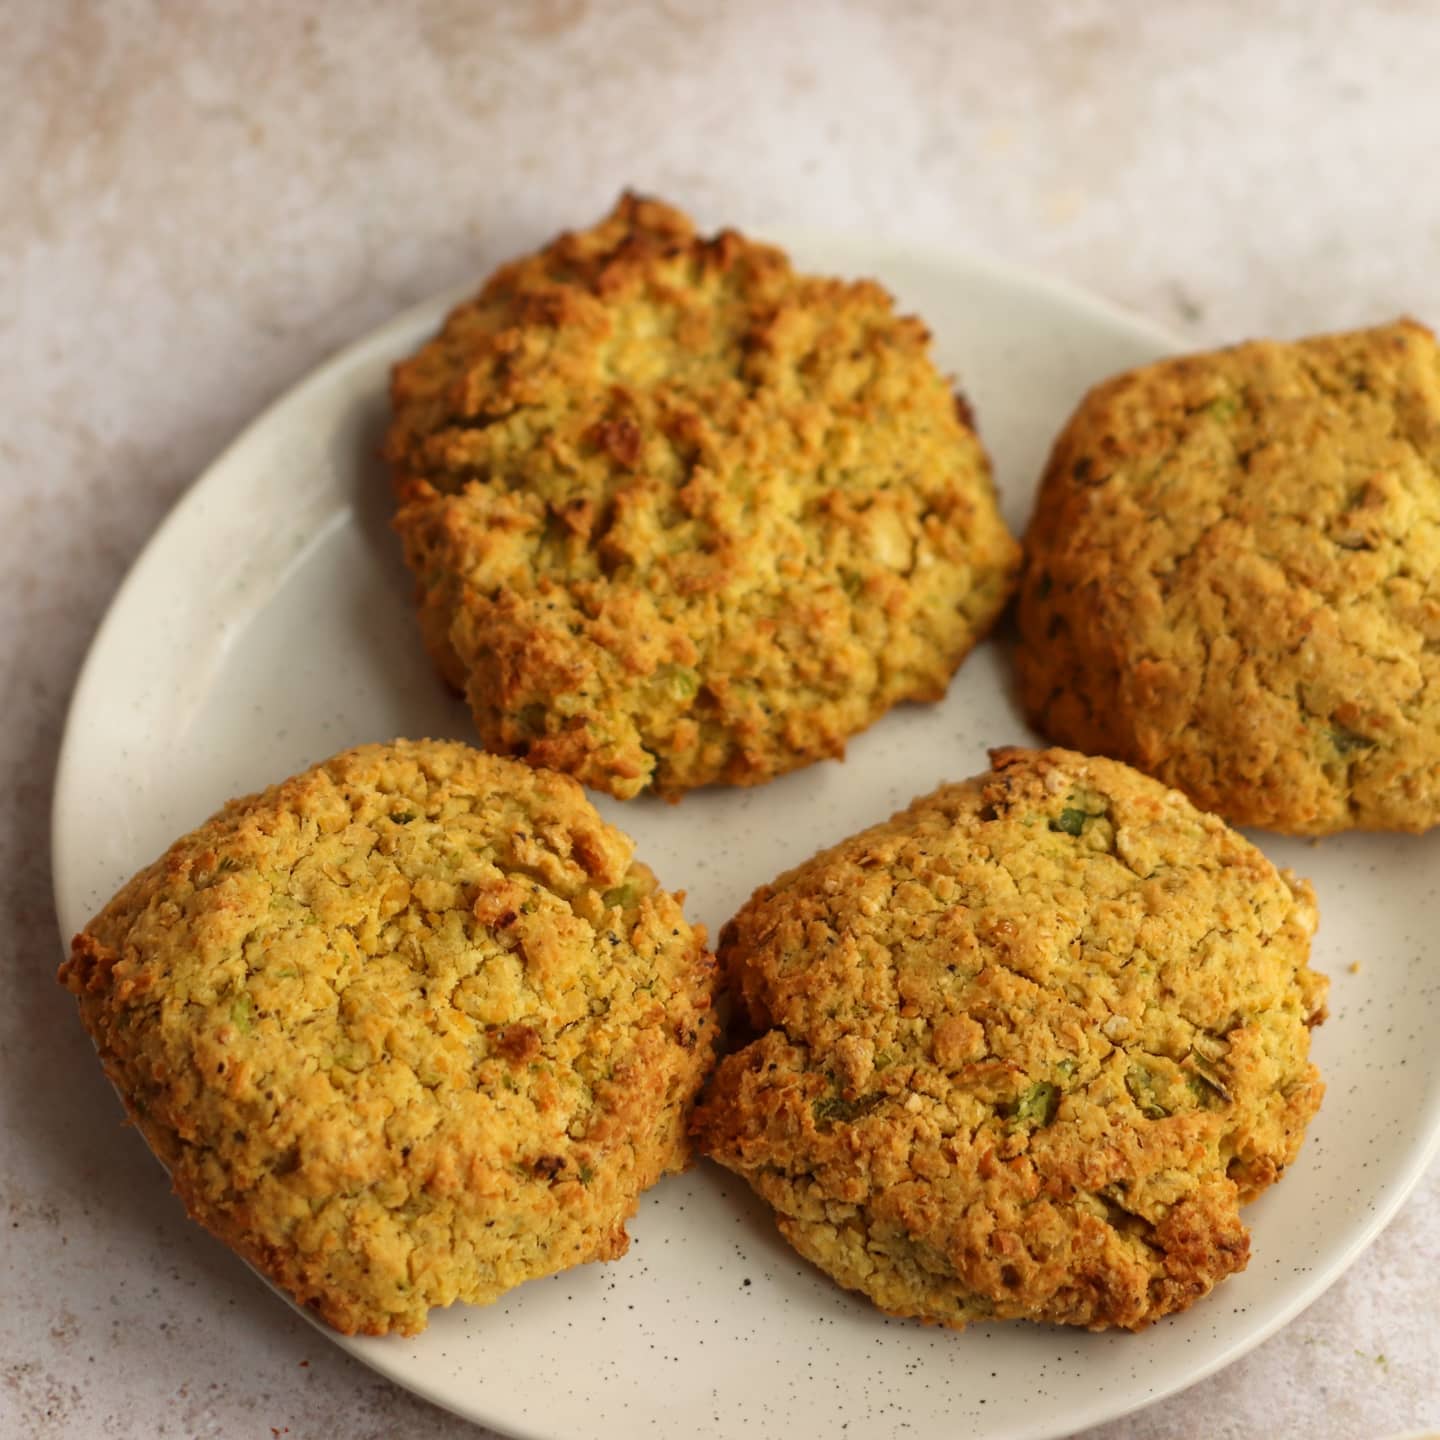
(200, 201)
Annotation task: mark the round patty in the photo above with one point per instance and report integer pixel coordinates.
(1233, 581)
(409, 1028)
(1024, 1049)
(679, 515)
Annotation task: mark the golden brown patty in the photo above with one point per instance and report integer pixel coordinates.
(409, 1028)
(1023, 1049)
(679, 515)
(1233, 580)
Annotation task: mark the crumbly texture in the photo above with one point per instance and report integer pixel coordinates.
(409, 1028)
(679, 515)
(1233, 581)
(1024, 1049)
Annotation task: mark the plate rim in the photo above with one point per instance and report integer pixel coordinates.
(868, 254)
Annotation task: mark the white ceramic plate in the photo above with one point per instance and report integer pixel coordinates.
(269, 624)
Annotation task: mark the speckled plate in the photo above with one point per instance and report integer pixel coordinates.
(269, 624)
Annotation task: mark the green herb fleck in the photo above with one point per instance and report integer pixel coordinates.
(624, 896)
(1066, 1069)
(1038, 1104)
(680, 682)
(1208, 1075)
(531, 719)
(836, 1109)
(1225, 408)
(1141, 1085)
(227, 862)
(1070, 821)
(1345, 740)
(587, 1174)
(403, 817)
(242, 1012)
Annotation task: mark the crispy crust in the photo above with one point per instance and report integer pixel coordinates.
(410, 1028)
(1023, 1049)
(679, 515)
(1233, 581)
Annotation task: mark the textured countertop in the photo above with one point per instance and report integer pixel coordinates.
(202, 200)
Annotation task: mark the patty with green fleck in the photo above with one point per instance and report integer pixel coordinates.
(412, 1027)
(1232, 580)
(679, 515)
(1023, 1050)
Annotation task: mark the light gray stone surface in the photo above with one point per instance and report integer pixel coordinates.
(201, 200)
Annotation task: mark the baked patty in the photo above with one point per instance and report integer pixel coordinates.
(679, 515)
(409, 1028)
(1233, 581)
(1024, 1049)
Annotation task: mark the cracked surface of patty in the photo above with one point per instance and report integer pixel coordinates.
(1232, 580)
(1023, 1049)
(409, 1028)
(679, 515)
